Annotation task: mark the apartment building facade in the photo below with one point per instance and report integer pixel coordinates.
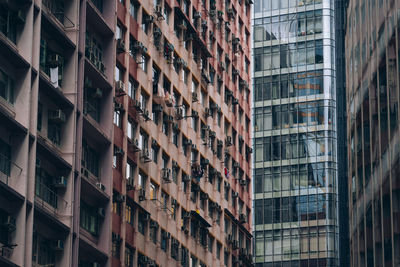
(295, 133)
(125, 133)
(372, 82)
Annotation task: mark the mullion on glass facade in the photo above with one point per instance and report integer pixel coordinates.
(294, 134)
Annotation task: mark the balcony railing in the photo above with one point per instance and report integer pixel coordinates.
(48, 199)
(56, 8)
(8, 169)
(91, 110)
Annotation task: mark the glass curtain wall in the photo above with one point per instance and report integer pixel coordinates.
(295, 166)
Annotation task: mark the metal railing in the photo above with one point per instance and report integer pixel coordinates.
(8, 169)
(48, 199)
(56, 9)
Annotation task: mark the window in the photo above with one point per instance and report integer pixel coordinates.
(219, 246)
(5, 158)
(144, 62)
(117, 118)
(146, 23)
(142, 180)
(90, 159)
(6, 87)
(133, 9)
(42, 252)
(115, 248)
(132, 88)
(167, 13)
(129, 214)
(153, 231)
(143, 218)
(130, 170)
(131, 129)
(153, 190)
(129, 253)
(89, 220)
(44, 187)
(164, 240)
(154, 151)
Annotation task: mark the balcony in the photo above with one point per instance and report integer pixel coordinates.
(56, 22)
(8, 171)
(48, 200)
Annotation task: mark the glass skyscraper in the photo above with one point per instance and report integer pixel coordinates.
(295, 139)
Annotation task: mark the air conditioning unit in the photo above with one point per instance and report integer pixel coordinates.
(235, 72)
(243, 182)
(235, 101)
(146, 155)
(101, 186)
(153, 224)
(57, 116)
(96, 264)
(119, 86)
(235, 194)
(194, 97)
(142, 194)
(220, 143)
(58, 245)
(196, 15)
(242, 218)
(229, 140)
(54, 60)
(166, 174)
(236, 165)
(120, 46)
(204, 23)
(135, 145)
(186, 178)
(101, 212)
(60, 182)
(9, 223)
(146, 115)
(130, 183)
